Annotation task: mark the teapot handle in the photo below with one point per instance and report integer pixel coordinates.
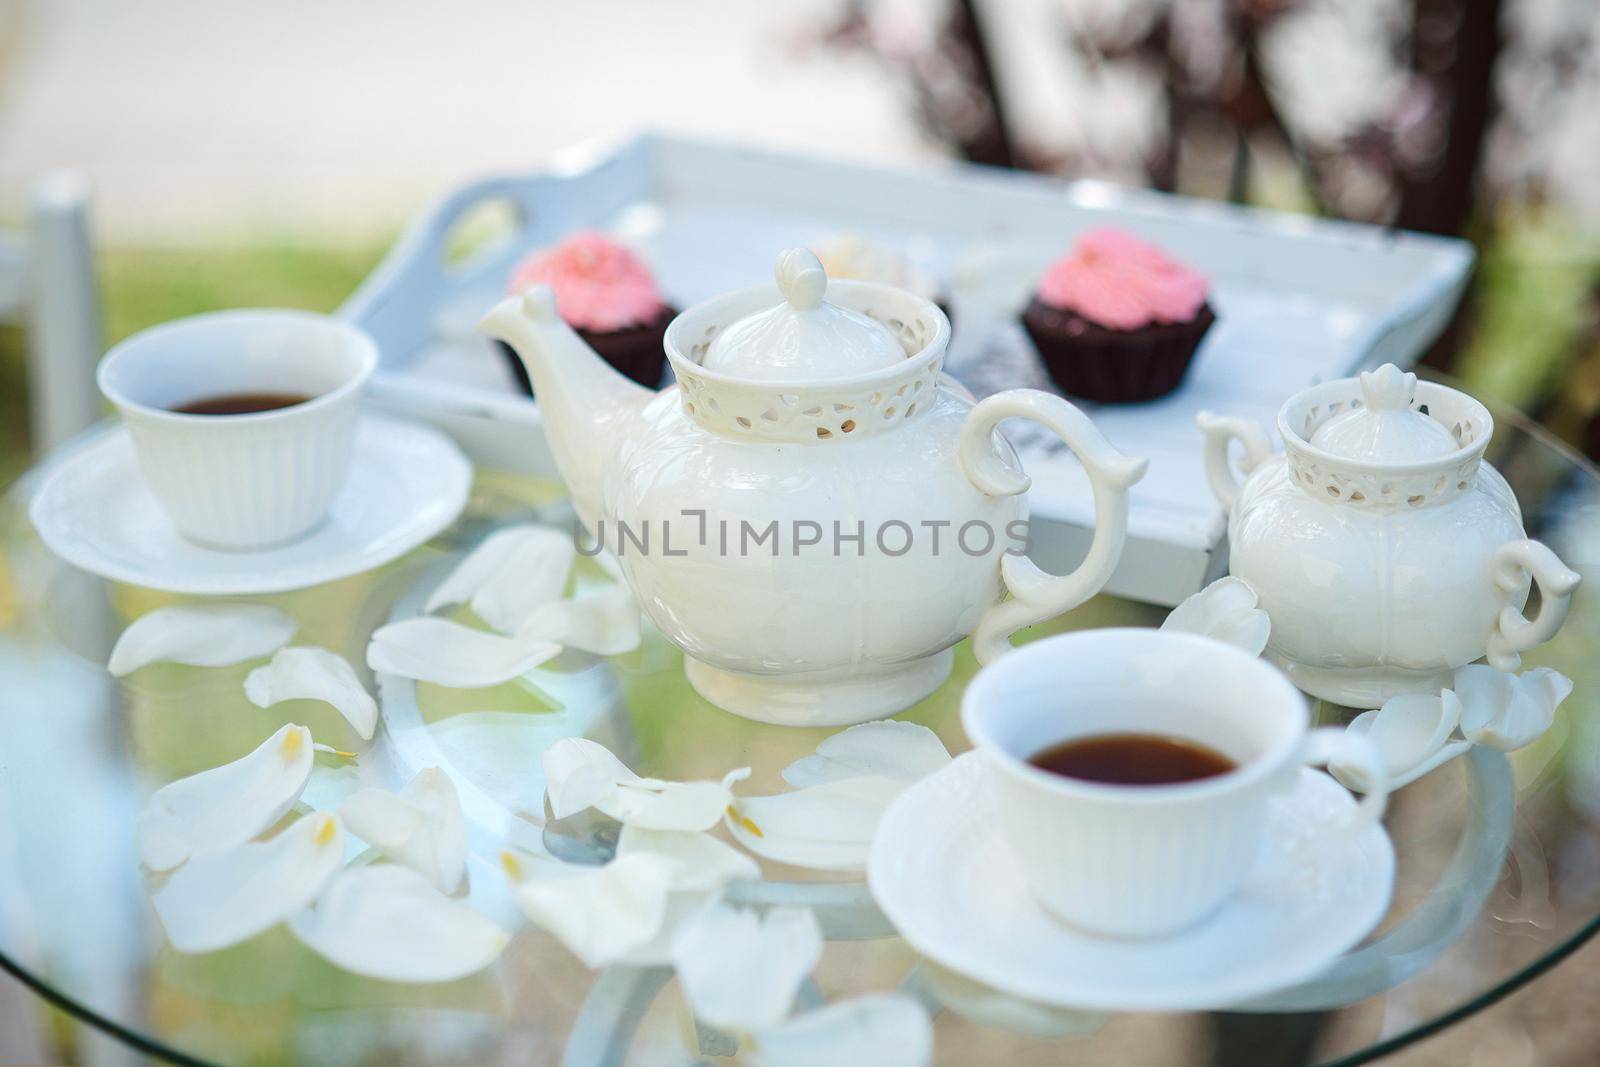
(1514, 633)
(1220, 431)
(1035, 594)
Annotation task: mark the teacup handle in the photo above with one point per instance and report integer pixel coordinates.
(1514, 633)
(1220, 431)
(1035, 594)
(1353, 753)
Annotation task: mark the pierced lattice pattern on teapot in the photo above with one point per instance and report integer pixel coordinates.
(1374, 484)
(792, 411)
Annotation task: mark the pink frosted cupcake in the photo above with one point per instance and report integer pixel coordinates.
(1117, 320)
(607, 294)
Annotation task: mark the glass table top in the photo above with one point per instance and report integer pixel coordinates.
(1498, 856)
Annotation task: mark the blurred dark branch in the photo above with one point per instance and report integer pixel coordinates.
(1455, 44)
(994, 145)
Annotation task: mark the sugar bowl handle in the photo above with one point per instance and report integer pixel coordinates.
(1221, 431)
(1035, 594)
(1514, 633)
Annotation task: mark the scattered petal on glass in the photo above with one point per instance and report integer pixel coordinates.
(447, 653)
(389, 922)
(705, 866)
(881, 1029)
(704, 862)
(1412, 732)
(314, 674)
(420, 827)
(227, 805)
(580, 774)
(652, 804)
(605, 623)
(1226, 611)
(740, 971)
(511, 574)
(223, 898)
(888, 748)
(827, 826)
(1507, 711)
(601, 914)
(201, 635)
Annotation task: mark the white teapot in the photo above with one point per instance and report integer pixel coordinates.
(815, 514)
(1384, 549)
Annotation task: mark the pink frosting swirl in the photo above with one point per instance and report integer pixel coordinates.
(599, 284)
(1115, 279)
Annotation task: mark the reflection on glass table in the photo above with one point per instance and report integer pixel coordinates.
(1496, 878)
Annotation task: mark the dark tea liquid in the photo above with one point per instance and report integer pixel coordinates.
(1132, 759)
(241, 403)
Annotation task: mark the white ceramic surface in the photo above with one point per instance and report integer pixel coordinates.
(1300, 300)
(1388, 566)
(897, 456)
(1144, 861)
(955, 890)
(253, 480)
(407, 482)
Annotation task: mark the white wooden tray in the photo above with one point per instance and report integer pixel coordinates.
(1298, 301)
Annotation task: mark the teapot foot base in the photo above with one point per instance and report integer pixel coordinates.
(1361, 687)
(842, 698)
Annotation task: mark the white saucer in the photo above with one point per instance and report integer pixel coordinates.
(407, 482)
(952, 887)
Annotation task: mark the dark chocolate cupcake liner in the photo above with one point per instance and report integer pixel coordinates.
(1092, 362)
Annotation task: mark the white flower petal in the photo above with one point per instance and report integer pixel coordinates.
(740, 972)
(601, 914)
(201, 635)
(314, 674)
(881, 1029)
(420, 827)
(705, 866)
(888, 748)
(704, 863)
(1226, 610)
(652, 804)
(447, 653)
(1506, 711)
(223, 898)
(827, 826)
(604, 623)
(1412, 733)
(228, 805)
(391, 923)
(580, 773)
(511, 574)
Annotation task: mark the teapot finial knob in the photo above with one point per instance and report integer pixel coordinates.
(801, 279)
(1388, 388)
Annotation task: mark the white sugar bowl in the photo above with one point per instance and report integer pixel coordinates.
(1384, 549)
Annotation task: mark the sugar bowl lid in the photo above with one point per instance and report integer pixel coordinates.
(1385, 427)
(804, 337)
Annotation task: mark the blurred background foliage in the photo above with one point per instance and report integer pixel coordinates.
(1478, 118)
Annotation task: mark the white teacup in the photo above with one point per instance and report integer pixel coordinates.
(1145, 860)
(252, 480)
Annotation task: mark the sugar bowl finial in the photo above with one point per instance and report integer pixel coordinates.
(1388, 388)
(801, 279)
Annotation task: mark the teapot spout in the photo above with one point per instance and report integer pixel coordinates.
(590, 411)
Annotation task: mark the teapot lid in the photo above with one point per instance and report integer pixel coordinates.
(804, 337)
(1385, 427)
